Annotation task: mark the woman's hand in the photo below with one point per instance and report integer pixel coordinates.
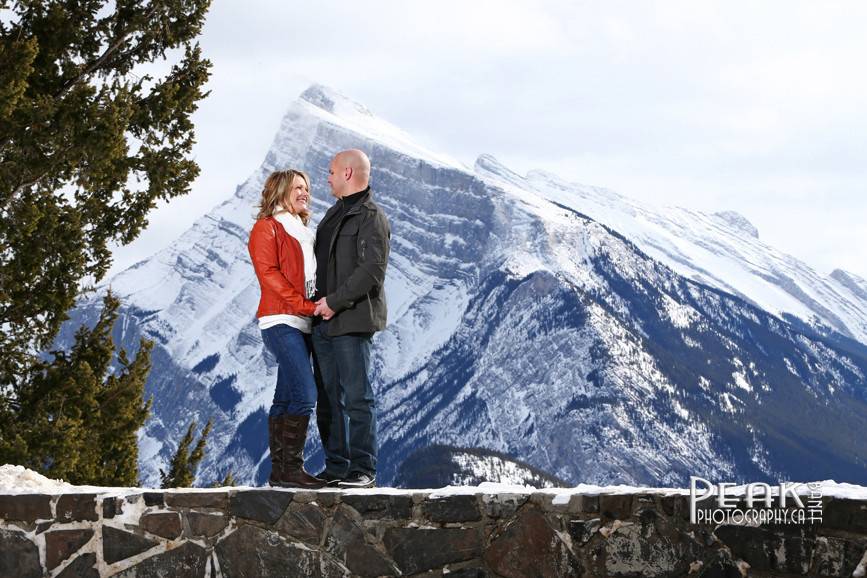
(323, 309)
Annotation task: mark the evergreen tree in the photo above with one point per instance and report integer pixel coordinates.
(182, 470)
(228, 480)
(91, 137)
(89, 142)
(79, 417)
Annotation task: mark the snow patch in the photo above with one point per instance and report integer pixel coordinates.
(726, 404)
(740, 380)
(681, 316)
(20, 480)
(681, 411)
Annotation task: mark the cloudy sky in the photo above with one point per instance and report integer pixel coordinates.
(757, 107)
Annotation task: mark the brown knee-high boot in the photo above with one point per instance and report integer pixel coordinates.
(277, 452)
(289, 435)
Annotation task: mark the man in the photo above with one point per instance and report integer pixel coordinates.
(352, 244)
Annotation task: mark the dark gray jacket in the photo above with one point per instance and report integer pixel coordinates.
(357, 258)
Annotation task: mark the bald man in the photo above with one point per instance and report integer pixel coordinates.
(352, 244)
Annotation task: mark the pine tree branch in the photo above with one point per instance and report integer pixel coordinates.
(103, 58)
(48, 170)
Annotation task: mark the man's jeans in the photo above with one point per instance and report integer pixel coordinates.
(346, 413)
(295, 393)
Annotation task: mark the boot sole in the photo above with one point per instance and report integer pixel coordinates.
(278, 484)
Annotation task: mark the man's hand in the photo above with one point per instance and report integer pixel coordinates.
(323, 309)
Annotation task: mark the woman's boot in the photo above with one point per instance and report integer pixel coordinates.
(292, 431)
(277, 452)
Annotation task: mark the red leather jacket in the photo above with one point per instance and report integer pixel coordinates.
(279, 265)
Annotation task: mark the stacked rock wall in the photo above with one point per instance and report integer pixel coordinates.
(269, 532)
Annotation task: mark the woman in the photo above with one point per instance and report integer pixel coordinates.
(281, 249)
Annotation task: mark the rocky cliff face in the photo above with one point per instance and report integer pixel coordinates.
(518, 324)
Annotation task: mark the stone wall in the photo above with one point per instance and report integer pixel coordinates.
(269, 532)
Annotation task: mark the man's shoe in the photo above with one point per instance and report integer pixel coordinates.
(358, 481)
(329, 479)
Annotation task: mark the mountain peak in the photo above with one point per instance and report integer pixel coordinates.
(489, 164)
(738, 221)
(840, 274)
(332, 101)
(329, 105)
(851, 281)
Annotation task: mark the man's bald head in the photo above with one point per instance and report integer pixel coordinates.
(349, 172)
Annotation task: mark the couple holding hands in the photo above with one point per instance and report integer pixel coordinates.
(322, 299)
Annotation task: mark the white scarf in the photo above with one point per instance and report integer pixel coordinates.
(295, 228)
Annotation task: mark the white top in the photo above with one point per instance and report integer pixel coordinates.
(295, 228)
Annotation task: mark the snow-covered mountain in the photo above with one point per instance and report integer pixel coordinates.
(718, 249)
(565, 326)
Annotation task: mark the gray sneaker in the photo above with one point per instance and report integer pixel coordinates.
(358, 481)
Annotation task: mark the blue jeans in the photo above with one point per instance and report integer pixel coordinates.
(346, 414)
(295, 393)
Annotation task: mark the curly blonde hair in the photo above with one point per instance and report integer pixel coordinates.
(276, 190)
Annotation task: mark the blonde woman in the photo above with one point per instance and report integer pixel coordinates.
(281, 249)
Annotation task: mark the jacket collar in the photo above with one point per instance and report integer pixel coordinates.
(359, 199)
(356, 198)
(353, 210)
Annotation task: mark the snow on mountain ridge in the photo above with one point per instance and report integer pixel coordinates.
(720, 249)
(333, 107)
(332, 101)
(738, 221)
(852, 282)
